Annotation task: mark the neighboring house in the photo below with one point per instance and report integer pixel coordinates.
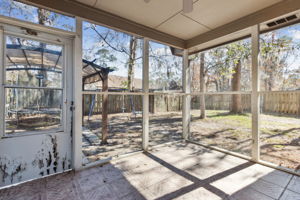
(114, 83)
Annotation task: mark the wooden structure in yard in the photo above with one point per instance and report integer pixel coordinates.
(93, 73)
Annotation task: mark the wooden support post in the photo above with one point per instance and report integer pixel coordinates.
(104, 108)
(255, 97)
(146, 95)
(186, 83)
(77, 97)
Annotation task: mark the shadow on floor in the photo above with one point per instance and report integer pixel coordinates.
(197, 183)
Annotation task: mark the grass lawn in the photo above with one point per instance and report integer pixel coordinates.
(280, 135)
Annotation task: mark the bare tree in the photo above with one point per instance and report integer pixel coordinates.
(131, 62)
(276, 50)
(202, 85)
(122, 43)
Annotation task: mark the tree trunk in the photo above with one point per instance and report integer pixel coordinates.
(272, 68)
(202, 87)
(236, 106)
(271, 79)
(266, 80)
(104, 108)
(131, 62)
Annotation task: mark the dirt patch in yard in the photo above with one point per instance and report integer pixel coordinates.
(280, 135)
(125, 133)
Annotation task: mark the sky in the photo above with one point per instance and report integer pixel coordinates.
(29, 13)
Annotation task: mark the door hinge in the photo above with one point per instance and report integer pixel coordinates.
(72, 107)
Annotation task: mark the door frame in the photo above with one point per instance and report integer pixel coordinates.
(72, 50)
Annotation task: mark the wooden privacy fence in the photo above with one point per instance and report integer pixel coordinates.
(281, 103)
(165, 103)
(116, 103)
(126, 103)
(220, 102)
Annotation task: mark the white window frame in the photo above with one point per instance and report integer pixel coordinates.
(2, 97)
(48, 36)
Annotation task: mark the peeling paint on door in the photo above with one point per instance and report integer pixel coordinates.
(11, 169)
(33, 157)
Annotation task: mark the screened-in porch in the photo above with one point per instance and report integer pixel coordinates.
(148, 99)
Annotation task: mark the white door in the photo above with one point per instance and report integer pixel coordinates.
(35, 104)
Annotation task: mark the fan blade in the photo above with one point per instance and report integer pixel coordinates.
(187, 6)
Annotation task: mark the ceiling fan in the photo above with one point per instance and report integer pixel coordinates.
(187, 5)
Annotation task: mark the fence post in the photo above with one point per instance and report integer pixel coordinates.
(145, 137)
(186, 83)
(255, 96)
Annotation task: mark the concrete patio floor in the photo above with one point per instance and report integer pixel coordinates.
(176, 171)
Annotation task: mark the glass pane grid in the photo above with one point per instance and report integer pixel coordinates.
(33, 86)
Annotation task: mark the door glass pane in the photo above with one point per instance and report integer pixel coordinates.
(32, 110)
(33, 63)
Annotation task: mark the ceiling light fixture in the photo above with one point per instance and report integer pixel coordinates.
(187, 5)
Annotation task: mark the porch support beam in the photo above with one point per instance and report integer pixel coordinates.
(2, 91)
(146, 95)
(77, 97)
(186, 83)
(276, 10)
(255, 97)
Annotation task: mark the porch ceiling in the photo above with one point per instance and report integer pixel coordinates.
(167, 15)
(164, 21)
